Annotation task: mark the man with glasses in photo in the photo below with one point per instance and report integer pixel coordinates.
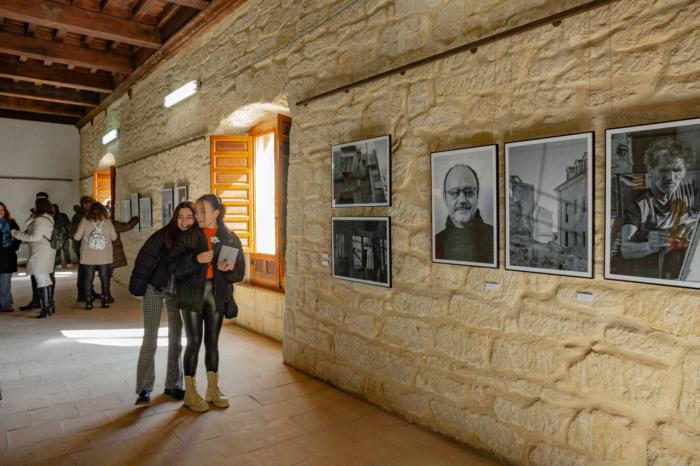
(466, 236)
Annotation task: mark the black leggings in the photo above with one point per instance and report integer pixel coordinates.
(89, 276)
(208, 322)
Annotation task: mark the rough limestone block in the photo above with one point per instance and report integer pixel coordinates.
(547, 455)
(540, 417)
(462, 345)
(618, 377)
(362, 323)
(408, 333)
(459, 391)
(530, 360)
(605, 436)
(373, 358)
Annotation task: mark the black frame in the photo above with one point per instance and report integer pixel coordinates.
(496, 216)
(606, 247)
(387, 220)
(591, 207)
(334, 204)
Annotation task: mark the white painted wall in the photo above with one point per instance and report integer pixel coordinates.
(34, 149)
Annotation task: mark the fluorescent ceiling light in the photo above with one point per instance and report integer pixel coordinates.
(109, 137)
(181, 93)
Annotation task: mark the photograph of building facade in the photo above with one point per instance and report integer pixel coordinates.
(360, 173)
(548, 221)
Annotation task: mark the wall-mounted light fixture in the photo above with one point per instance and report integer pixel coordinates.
(181, 93)
(109, 137)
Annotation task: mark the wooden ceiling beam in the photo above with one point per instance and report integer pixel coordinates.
(79, 21)
(34, 106)
(25, 90)
(57, 52)
(196, 4)
(217, 10)
(12, 68)
(15, 115)
(141, 9)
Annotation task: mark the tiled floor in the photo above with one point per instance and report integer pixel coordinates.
(67, 384)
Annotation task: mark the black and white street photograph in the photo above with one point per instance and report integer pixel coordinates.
(549, 214)
(652, 205)
(362, 173)
(465, 206)
(362, 250)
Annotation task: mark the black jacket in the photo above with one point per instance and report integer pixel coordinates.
(191, 276)
(8, 256)
(151, 266)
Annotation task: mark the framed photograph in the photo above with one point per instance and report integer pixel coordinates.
(145, 213)
(362, 249)
(549, 206)
(362, 173)
(134, 200)
(652, 173)
(465, 206)
(167, 205)
(125, 210)
(180, 195)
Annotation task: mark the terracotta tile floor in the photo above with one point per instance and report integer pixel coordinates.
(68, 391)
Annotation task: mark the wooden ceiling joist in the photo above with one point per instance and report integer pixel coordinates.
(196, 4)
(12, 68)
(79, 21)
(15, 115)
(141, 9)
(58, 52)
(34, 106)
(47, 94)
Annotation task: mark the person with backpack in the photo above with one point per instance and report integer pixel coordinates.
(152, 279)
(63, 224)
(8, 257)
(95, 233)
(204, 284)
(80, 211)
(41, 255)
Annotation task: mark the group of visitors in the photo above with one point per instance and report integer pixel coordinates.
(178, 266)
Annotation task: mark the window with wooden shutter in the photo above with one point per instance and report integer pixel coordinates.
(232, 181)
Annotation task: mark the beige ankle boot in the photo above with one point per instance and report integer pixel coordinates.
(192, 399)
(214, 395)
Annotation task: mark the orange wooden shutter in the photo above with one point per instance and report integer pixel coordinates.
(102, 185)
(284, 126)
(232, 181)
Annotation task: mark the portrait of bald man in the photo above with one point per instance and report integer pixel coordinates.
(461, 234)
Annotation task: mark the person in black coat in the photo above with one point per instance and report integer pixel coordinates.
(151, 278)
(205, 294)
(8, 257)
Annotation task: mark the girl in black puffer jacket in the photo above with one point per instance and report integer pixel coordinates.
(152, 279)
(205, 294)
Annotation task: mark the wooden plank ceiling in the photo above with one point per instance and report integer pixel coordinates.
(59, 59)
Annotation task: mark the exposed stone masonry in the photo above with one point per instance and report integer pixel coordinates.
(525, 371)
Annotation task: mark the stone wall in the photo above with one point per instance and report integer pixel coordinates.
(524, 371)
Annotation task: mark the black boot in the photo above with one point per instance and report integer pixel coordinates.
(45, 302)
(34, 303)
(105, 301)
(88, 304)
(52, 303)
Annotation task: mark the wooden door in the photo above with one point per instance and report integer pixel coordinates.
(102, 185)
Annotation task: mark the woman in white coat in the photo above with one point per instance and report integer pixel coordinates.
(41, 254)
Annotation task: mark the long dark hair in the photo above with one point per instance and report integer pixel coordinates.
(96, 212)
(42, 206)
(216, 204)
(171, 229)
(8, 215)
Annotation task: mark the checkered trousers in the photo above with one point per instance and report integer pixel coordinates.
(145, 371)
